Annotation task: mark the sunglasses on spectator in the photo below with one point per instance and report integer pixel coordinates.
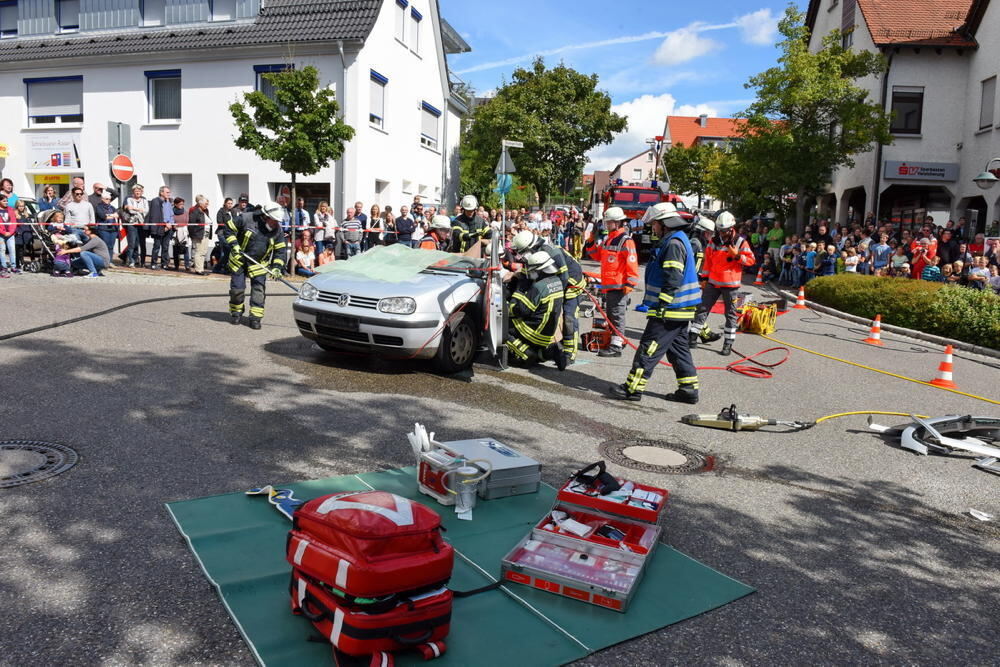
(77, 192)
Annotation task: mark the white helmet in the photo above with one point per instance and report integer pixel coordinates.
(705, 224)
(441, 222)
(470, 203)
(662, 210)
(273, 210)
(523, 241)
(539, 262)
(725, 221)
(614, 214)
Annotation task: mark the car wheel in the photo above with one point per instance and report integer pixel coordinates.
(458, 346)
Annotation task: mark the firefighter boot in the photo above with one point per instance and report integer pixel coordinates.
(234, 318)
(727, 347)
(709, 336)
(621, 393)
(254, 323)
(612, 351)
(683, 396)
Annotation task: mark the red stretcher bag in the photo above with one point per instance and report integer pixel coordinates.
(419, 623)
(369, 544)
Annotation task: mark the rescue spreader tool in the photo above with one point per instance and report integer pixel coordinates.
(729, 419)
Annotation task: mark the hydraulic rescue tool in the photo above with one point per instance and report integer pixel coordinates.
(729, 419)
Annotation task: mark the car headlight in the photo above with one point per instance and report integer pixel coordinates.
(308, 292)
(401, 305)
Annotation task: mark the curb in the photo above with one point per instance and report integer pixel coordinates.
(911, 333)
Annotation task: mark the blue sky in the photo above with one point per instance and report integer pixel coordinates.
(654, 59)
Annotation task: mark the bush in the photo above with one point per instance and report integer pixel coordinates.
(972, 316)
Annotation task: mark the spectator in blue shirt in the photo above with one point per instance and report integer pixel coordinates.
(809, 263)
(880, 254)
(932, 272)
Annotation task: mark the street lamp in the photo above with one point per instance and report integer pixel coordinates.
(987, 179)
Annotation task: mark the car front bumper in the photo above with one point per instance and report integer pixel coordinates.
(375, 333)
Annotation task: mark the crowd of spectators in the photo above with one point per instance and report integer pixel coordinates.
(947, 253)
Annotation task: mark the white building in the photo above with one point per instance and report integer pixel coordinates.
(943, 59)
(72, 70)
(641, 167)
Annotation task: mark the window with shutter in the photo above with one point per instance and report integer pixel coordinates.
(429, 116)
(987, 103)
(376, 112)
(164, 91)
(55, 100)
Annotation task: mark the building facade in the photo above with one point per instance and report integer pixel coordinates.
(641, 167)
(81, 81)
(942, 58)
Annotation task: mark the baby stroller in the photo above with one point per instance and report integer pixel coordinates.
(44, 245)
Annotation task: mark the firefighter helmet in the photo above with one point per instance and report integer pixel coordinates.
(614, 214)
(662, 210)
(272, 210)
(539, 262)
(441, 222)
(725, 221)
(705, 224)
(523, 241)
(470, 203)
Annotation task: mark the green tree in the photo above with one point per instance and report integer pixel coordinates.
(559, 115)
(691, 168)
(299, 128)
(810, 117)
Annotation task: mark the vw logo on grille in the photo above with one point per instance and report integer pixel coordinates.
(343, 300)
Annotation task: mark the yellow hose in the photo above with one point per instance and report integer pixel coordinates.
(868, 412)
(869, 368)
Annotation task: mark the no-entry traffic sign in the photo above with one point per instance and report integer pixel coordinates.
(122, 168)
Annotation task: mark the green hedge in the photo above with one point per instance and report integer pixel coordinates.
(972, 316)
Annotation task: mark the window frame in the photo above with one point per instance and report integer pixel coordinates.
(982, 102)
(144, 22)
(416, 18)
(374, 119)
(904, 91)
(400, 28)
(259, 70)
(426, 140)
(7, 33)
(160, 75)
(59, 18)
(74, 119)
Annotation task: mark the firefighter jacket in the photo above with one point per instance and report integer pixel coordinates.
(568, 270)
(672, 289)
(721, 268)
(619, 263)
(430, 242)
(698, 248)
(535, 308)
(465, 231)
(258, 241)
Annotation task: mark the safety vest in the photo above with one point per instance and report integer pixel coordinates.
(619, 263)
(683, 302)
(534, 312)
(722, 269)
(430, 242)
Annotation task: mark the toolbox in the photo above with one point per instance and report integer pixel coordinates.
(590, 547)
(512, 473)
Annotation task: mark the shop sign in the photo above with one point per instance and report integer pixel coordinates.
(51, 179)
(921, 171)
(59, 150)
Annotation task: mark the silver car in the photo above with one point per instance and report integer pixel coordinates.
(441, 313)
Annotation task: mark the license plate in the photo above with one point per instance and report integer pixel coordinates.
(338, 321)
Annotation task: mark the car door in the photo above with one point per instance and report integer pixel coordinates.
(494, 306)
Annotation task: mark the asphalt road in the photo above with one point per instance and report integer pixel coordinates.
(861, 552)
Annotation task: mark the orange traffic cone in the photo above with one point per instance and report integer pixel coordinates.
(875, 337)
(759, 280)
(944, 372)
(800, 300)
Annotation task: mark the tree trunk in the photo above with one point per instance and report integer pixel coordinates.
(292, 225)
(800, 212)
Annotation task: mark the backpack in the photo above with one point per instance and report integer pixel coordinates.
(369, 570)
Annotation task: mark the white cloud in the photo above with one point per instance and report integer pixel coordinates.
(646, 117)
(635, 81)
(683, 45)
(759, 27)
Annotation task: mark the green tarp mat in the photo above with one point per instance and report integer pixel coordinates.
(239, 541)
(395, 263)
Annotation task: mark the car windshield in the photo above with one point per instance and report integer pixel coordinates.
(398, 263)
(459, 263)
(636, 199)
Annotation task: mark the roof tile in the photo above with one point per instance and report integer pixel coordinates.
(686, 130)
(923, 22)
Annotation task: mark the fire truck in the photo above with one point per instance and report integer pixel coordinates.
(635, 197)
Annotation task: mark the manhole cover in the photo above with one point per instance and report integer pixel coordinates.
(26, 461)
(653, 456)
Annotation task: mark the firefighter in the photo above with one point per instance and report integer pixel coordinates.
(256, 245)
(439, 237)
(467, 228)
(570, 274)
(535, 304)
(619, 274)
(673, 291)
(722, 267)
(699, 234)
